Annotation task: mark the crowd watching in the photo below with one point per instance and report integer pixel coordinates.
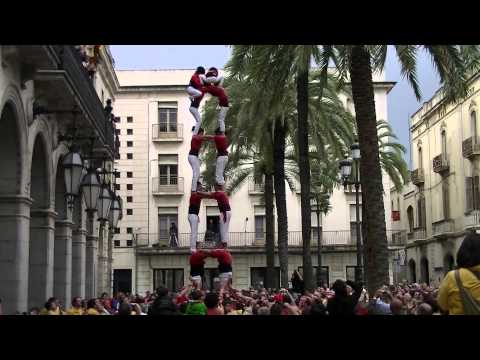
(459, 293)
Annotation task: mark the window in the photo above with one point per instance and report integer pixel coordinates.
(129, 174)
(422, 221)
(410, 219)
(258, 274)
(445, 200)
(353, 222)
(117, 174)
(129, 143)
(129, 230)
(129, 211)
(116, 243)
(129, 119)
(118, 119)
(117, 230)
(324, 274)
(129, 198)
(350, 272)
(129, 243)
(420, 158)
(117, 186)
(166, 216)
(129, 156)
(168, 169)
(167, 116)
(259, 227)
(172, 279)
(129, 186)
(129, 131)
(117, 131)
(444, 144)
(472, 188)
(473, 122)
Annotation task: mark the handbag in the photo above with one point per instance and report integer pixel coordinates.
(471, 306)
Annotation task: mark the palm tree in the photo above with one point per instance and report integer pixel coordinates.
(358, 62)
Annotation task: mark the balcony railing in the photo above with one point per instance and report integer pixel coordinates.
(167, 185)
(471, 147)
(418, 234)
(257, 239)
(417, 177)
(440, 164)
(472, 220)
(255, 188)
(166, 133)
(351, 189)
(82, 87)
(441, 228)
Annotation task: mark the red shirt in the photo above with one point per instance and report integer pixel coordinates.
(196, 82)
(198, 258)
(195, 200)
(221, 143)
(222, 200)
(223, 256)
(181, 299)
(196, 144)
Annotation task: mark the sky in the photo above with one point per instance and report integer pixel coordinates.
(401, 99)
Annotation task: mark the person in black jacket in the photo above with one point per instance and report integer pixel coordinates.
(343, 304)
(297, 283)
(163, 304)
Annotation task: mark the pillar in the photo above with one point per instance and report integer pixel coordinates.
(91, 258)
(14, 242)
(62, 287)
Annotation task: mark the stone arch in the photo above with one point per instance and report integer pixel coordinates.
(424, 270)
(412, 271)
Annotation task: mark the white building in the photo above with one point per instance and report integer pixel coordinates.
(155, 130)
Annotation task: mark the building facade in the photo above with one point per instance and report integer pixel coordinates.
(155, 179)
(442, 201)
(46, 247)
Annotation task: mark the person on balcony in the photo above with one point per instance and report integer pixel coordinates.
(173, 235)
(193, 159)
(196, 91)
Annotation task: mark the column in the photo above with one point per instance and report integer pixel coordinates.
(109, 287)
(91, 258)
(100, 261)
(62, 285)
(79, 245)
(14, 241)
(41, 256)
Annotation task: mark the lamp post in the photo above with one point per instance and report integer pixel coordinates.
(346, 172)
(316, 210)
(73, 171)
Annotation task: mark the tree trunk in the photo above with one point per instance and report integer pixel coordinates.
(269, 233)
(304, 164)
(375, 242)
(280, 199)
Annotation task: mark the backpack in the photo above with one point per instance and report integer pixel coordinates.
(471, 306)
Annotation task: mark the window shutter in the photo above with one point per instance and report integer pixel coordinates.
(476, 193)
(469, 193)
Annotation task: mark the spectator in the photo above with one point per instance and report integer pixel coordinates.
(51, 307)
(396, 307)
(342, 303)
(92, 307)
(107, 302)
(173, 235)
(100, 308)
(124, 309)
(459, 292)
(381, 303)
(276, 309)
(297, 283)
(163, 304)
(424, 309)
(195, 305)
(34, 311)
(318, 309)
(212, 302)
(263, 310)
(76, 308)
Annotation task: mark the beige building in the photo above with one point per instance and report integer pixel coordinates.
(155, 180)
(442, 201)
(46, 247)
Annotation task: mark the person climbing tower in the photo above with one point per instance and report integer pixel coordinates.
(196, 91)
(214, 87)
(221, 143)
(224, 259)
(193, 158)
(197, 267)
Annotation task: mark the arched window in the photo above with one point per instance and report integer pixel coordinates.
(420, 158)
(410, 219)
(444, 144)
(473, 124)
(412, 271)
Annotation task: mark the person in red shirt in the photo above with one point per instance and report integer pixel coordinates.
(193, 159)
(196, 91)
(214, 87)
(225, 211)
(224, 259)
(197, 267)
(221, 143)
(193, 219)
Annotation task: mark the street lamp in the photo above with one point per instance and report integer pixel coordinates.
(73, 172)
(91, 189)
(115, 211)
(104, 202)
(346, 172)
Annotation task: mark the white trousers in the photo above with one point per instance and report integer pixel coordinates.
(195, 164)
(220, 168)
(198, 120)
(221, 118)
(193, 219)
(224, 225)
(193, 92)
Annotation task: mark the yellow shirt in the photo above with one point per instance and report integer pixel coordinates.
(449, 295)
(75, 311)
(50, 312)
(91, 312)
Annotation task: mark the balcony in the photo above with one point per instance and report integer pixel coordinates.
(255, 188)
(257, 239)
(350, 189)
(417, 176)
(471, 147)
(167, 186)
(472, 220)
(440, 164)
(164, 133)
(443, 228)
(418, 234)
